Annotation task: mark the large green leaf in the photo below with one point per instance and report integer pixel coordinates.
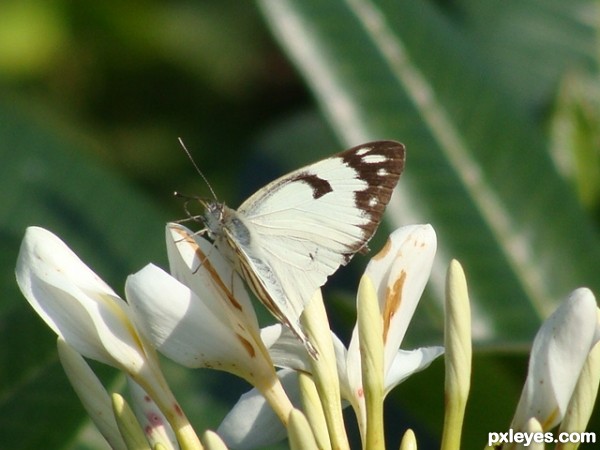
(531, 43)
(45, 180)
(478, 168)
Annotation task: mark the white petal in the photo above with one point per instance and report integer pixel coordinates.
(150, 417)
(92, 394)
(180, 324)
(286, 350)
(271, 334)
(399, 273)
(43, 249)
(559, 351)
(341, 358)
(75, 303)
(407, 363)
(197, 263)
(252, 423)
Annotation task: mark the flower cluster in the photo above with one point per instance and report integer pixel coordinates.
(200, 315)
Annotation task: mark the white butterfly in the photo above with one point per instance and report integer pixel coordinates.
(287, 238)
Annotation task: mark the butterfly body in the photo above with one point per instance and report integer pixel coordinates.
(287, 238)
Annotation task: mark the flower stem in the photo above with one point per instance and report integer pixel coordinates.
(324, 370)
(370, 331)
(275, 395)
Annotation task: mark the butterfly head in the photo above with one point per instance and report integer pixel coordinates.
(213, 218)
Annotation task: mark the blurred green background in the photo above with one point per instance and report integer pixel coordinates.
(498, 103)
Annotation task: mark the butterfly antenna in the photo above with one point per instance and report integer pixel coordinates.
(189, 155)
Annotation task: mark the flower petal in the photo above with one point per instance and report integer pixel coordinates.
(92, 394)
(286, 350)
(155, 425)
(75, 303)
(399, 273)
(196, 263)
(41, 248)
(558, 354)
(408, 362)
(341, 359)
(182, 326)
(252, 423)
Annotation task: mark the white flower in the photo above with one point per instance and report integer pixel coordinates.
(195, 316)
(76, 304)
(89, 316)
(201, 315)
(92, 394)
(398, 274)
(559, 352)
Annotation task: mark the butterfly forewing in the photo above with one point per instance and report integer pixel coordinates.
(324, 213)
(292, 234)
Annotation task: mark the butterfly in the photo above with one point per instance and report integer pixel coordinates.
(291, 235)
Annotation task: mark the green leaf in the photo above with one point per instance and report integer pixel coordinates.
(575, 134)
(531, 43)
(477, 166)
(46, 180)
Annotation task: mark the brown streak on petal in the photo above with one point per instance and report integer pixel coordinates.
(247, 345)
(206, 264)
(393, 299)
(384, 251)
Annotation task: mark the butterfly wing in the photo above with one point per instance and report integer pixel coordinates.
(306, 224)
